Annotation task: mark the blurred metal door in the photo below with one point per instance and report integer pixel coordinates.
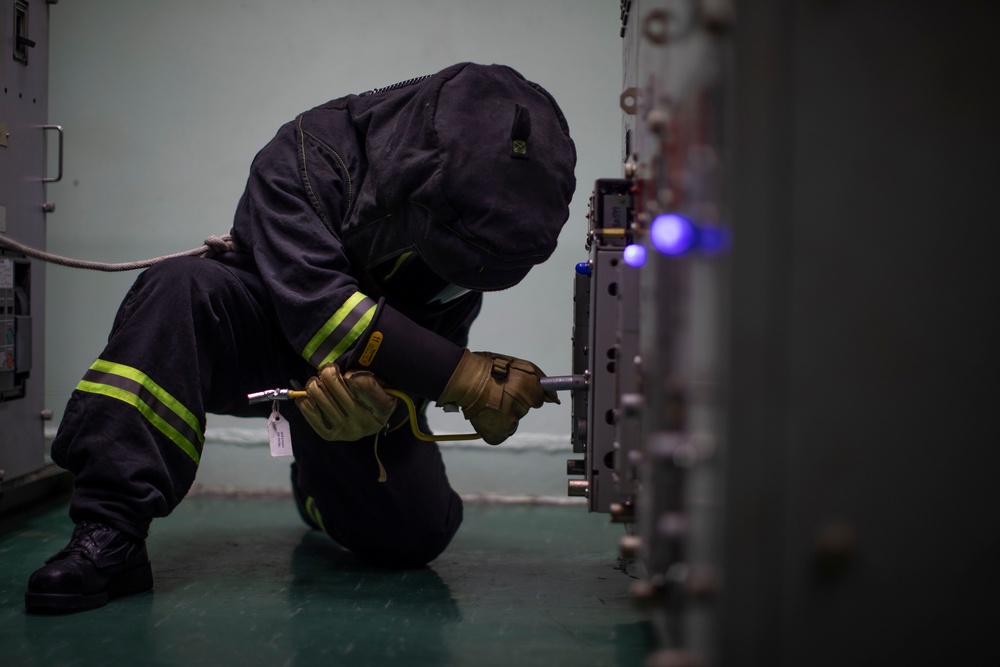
(861, 520)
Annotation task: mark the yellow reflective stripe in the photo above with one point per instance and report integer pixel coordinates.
(332, 324)
(349, 339)
(313, 513)
(154, 419)
(320, 343)
(162, 395)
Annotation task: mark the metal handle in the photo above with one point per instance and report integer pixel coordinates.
(59, 173)
(565, 382)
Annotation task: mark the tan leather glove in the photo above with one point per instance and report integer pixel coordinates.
(494, 392)
(345, 406)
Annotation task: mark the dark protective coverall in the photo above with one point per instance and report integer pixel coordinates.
(396, 207)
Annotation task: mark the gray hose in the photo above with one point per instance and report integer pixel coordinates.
(213, 245)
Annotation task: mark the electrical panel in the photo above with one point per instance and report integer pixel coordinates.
(648, 321)
(787, 327)
(605, 349)
(15, 327)
(23, 174)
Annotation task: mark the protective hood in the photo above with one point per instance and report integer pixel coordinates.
(471, 167)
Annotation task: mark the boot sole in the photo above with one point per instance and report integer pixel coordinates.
(130, 582)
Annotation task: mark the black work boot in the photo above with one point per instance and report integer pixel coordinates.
(99, 563)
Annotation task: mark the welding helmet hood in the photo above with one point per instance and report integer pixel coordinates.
(471, 167)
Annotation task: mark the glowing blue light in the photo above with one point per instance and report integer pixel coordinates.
(583, 268)
(672, 234)
(634, 255)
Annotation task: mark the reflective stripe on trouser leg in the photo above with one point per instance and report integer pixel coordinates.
(159, 408)
(192, 336)
(314, 512)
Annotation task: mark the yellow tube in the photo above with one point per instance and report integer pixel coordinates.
(412, 410)
(426, 437)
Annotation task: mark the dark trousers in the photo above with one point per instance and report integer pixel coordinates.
(195, 336)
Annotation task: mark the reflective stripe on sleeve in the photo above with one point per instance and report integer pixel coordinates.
(341, 331)
(161, 410)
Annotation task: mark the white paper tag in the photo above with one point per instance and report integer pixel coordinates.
(279, 434)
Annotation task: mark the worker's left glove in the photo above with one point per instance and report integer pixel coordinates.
(494, 392)
(345, 406)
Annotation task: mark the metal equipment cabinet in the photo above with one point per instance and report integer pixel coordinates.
(24, 67)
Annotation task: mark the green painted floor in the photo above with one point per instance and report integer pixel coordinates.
(241, 581)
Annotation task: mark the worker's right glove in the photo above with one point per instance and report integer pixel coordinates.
(345, 406)
(494, 392)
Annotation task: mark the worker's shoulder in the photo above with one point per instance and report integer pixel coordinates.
(325, 119)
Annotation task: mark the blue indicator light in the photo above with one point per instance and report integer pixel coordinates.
(634, 255)
(583, 268)
(672, 234)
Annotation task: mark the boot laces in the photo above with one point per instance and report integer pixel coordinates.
(82, 542)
